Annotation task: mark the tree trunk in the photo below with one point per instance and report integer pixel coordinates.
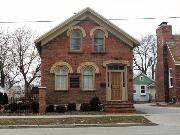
(27, 89)
(2, 79)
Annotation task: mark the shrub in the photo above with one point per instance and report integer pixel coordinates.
(5, 98)
(1, 99)
(7, 107)
(13, 107)
(85, 107)
(35, 107)
(61, 109)
(71, 107)
(95, 104)
(50, 108)
(24, 106)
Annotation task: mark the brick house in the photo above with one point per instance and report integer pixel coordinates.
(85, 56)
(168, 64)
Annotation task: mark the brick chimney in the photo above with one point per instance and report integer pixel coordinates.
(164, 34)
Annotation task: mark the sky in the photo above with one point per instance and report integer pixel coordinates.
(22, 11)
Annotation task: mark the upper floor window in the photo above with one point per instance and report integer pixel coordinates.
(98, 41)
(141, 78)
(170, 78)
(75, 41)
(61, 78)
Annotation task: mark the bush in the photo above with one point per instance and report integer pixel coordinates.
(61, 109)
(50, 108)
(13, 107)
(85, 107)
(1, 99)
(71, 107)
(5, 98)
(24, 106)
(6, 107)
(95, 104)
(35, 107)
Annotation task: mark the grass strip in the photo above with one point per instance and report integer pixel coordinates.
(74, 120)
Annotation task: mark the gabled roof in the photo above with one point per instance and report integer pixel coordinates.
(174, 47)
(142, 74)
(87, 12)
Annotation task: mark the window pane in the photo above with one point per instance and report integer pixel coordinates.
(63, 82)
(88, 78)
(88, 82)
(75, 45)
(76, 35)
(99, 34)
(61, 78)
(98, 41)
(142, 87)
(75, 41)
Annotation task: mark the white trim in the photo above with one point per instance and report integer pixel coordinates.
(171, 53)
(69, 22)
(170, 77)
(177, 63)
(143, 94)
(141, 78)
(143, 75)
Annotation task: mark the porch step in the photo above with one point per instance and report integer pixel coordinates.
(119, 107)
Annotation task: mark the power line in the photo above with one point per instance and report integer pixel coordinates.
(111, 19)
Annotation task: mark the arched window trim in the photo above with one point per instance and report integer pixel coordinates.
(82, 33)
(93, 78)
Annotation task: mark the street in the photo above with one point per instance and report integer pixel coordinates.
(168, 119)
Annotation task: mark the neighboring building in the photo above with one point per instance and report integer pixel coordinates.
(85, 56)
(168, 64)
(144, 90)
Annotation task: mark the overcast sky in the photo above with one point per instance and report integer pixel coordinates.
(21, 11)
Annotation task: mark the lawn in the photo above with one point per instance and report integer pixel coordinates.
(75, 120)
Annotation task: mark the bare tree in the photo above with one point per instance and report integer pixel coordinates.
(6, 61)
(145, 55)
(26, 56)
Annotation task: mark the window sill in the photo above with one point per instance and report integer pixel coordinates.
(170, 87)
(143, 94)
(88, 90)
(98, 52)
(60, 90)
(75, 52)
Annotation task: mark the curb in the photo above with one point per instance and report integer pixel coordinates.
(77, 125)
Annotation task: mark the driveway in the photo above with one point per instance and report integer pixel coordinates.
(167, 116)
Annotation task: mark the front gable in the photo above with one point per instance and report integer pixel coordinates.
(83, 16)
(144, 81)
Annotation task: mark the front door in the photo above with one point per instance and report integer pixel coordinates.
(116, 85)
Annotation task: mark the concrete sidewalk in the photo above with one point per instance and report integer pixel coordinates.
(67, 116)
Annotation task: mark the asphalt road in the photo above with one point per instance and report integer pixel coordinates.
(167, 118)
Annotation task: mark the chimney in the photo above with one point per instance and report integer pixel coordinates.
(164, 33)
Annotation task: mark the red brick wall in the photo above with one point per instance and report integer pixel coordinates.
(177, 82)
(164, 33)
(58, 49)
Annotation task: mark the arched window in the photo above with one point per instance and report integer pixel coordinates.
(98, 41)
(61, 78)
(88, 78)
(75, 41)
